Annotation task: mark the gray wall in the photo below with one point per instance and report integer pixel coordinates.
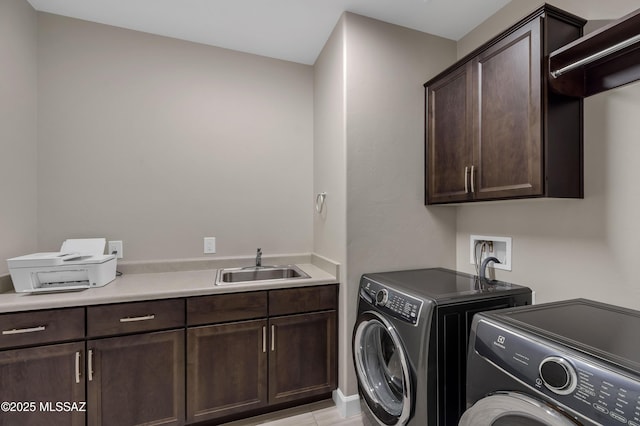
(369, 157)
(573, 248)
(160, 142)
(330, 174)
(518, 9)
(329, 147)
(388, 226)
(18, 136)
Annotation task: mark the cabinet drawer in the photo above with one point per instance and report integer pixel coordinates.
(306, 299)
(226, 307)
(135, 317)
(38, 327)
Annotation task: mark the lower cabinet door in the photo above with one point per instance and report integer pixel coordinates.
(136, 380)
(302, 357)
(226, 369)
(43, 385)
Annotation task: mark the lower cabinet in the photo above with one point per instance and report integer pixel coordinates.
(41, 384)
(246, 364)
(226, 369)
(302, 361)
(136, 380)
(168, 362)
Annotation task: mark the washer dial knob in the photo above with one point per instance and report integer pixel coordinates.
(382, 296)
(558, 375)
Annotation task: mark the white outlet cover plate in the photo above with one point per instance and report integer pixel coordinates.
(209, 245)
(502, 250)
(117, 247)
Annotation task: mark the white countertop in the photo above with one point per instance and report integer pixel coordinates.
(156, 285)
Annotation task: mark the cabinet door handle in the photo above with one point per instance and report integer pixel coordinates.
(134, 319)
(466, 179)
(264, 338)
(24, 330)
(273, 338)
(473, 178)
(90, 366)
(78, 367)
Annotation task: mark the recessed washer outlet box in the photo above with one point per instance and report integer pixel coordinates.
(501, 248)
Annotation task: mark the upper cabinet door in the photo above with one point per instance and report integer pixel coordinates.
(507, 117)
(449, 153)
(493, 129)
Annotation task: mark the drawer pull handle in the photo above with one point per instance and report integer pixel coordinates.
(466, 179)
(264, 339)
(77, 367)
(273, 338)
(473, 178)
(134, 319)
(23, 330)
(90, 366)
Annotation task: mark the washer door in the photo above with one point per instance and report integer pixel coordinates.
(383, 369)
(513, 409)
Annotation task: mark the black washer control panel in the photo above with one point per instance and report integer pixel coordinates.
(390, 301)
(595, 390)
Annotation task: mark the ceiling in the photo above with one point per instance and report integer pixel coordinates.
(292, 30)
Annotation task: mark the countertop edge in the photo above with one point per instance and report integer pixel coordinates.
(135, 287)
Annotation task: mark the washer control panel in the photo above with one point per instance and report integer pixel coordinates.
(391, 301)
(564, 375)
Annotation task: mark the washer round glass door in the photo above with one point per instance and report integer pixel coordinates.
(514, 409)
(382, 369)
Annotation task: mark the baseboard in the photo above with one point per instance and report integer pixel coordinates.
(347, 405)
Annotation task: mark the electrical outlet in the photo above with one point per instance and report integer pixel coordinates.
(499, 247)
(115, 247)
(209, 245)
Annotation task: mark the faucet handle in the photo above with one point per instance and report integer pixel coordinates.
(259, 257)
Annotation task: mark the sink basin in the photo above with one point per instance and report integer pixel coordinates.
(262, 273)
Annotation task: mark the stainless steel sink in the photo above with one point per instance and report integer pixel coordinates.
(260, 273)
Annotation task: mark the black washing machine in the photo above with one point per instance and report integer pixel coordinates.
(575, 362)
(410, 342)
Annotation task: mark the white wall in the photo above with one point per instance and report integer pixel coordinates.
(18, 136)
(574, 248)
(160, 142)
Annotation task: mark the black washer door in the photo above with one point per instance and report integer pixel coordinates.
(514, 409)
(383, 369)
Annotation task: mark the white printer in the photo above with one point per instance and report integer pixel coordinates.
(80, 264)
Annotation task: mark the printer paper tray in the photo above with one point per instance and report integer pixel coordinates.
(61, 287)
(61, 277)
(61, 280)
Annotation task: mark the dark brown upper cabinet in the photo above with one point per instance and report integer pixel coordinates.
(494, 130)
(602, 60)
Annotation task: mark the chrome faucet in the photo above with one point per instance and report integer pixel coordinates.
(483, 267)
(259, 258)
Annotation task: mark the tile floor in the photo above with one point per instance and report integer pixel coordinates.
(323, 413)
